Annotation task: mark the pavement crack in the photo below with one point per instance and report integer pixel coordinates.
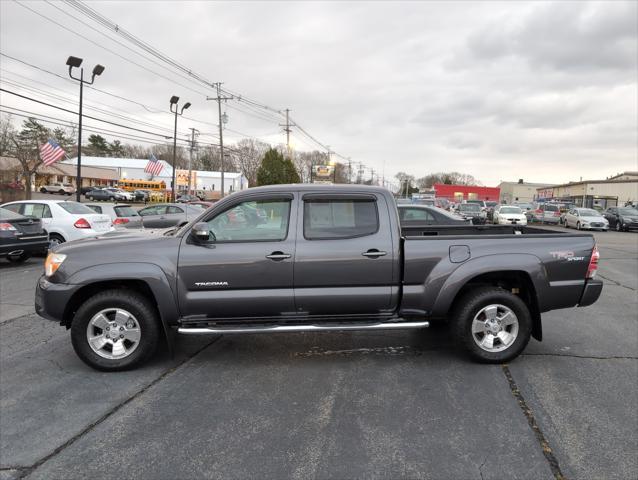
(481, 467)
(533, 424)
(28, 470)
(590, 357)
(616, 282)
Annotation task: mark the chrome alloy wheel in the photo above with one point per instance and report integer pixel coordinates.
(495, 328)
(113, 333)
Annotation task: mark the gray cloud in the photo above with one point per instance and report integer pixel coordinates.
(481, 87)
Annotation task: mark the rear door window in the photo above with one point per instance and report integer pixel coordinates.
(551, 208)
(336, 219)
(172, 209)
(37, 210)
(96, 208)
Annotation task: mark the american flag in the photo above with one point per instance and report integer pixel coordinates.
(154, 167)
(51, 152)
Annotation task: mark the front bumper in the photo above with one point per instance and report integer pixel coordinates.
(591, 292)
(51, 299)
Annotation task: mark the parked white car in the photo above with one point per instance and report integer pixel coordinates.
(509, 215)
(63, 220)
(586, 218)
(61, 188)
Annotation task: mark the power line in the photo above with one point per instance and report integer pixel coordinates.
(87, 116)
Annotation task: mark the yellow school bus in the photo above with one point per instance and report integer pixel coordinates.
(136, 184)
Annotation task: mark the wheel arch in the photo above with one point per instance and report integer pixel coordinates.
(148, 280)
(525, 283)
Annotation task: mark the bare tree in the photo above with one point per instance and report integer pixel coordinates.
(248, 154)
(448, 178)
(7, 133)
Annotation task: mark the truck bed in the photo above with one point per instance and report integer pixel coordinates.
(474, 230)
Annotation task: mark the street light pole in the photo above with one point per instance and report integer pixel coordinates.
(97, 71)
(174, 101)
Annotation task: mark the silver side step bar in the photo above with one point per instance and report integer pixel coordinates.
(301, 328)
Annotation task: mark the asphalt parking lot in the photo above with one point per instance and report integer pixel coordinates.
(332, 405)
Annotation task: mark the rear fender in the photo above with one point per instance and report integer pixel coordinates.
(530, 264)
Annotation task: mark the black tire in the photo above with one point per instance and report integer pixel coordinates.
(470, 304)
(19, 258)
(136, 304)
(43, 190)
(577, 225)
(618, 226)
(111, 199)
(92, 199)
(61, 192)
(57, 239)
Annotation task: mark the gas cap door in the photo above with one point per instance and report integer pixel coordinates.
(459, 253)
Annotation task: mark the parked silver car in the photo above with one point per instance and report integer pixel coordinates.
(122, 215)
(165, 215)
(586, 218)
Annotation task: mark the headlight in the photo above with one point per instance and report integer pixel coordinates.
(53, 262)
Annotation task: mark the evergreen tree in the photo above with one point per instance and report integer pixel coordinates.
(275, 169)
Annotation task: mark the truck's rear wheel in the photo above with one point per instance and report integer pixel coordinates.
(115, 330)
(492, 324)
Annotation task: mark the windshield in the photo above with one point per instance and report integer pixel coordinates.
(628, 211)
(551, 208)
(588, 212)
(491, 204)
(526, 206)
(469, 207)
(510, 210)
(75, 208)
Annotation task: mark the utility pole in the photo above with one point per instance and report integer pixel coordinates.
(349, 170)
(287, 129)
(371, 176)
(219, 99)
(194, 133)
(360, 173)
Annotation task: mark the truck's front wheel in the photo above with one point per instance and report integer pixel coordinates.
(492, 324)
(115, 330)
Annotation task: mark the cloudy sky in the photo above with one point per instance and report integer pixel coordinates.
(545, 91)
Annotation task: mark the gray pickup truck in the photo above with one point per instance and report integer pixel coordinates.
(294, 258)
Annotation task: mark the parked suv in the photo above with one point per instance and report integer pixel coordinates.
(61, 188)
(544, 213)
(622, 218)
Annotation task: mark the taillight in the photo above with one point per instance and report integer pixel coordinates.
(120, 221)
(538, 210)
(593, 263)
(82, 223)
(7, 227)
(557, 214)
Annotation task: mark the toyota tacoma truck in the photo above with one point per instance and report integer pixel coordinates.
(297, 258)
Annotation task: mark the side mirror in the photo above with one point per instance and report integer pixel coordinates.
(201, 233)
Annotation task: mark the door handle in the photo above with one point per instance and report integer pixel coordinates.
(374, 253)
(278, 256)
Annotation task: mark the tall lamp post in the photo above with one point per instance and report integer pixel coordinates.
(75, 62)
(174, 100)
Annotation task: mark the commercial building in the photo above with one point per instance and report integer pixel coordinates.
(616, 190)
(458, 193)
(11, 170)
(133, 169)
(520, 191)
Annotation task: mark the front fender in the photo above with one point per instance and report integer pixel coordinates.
(530, 264)
(152, 275)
